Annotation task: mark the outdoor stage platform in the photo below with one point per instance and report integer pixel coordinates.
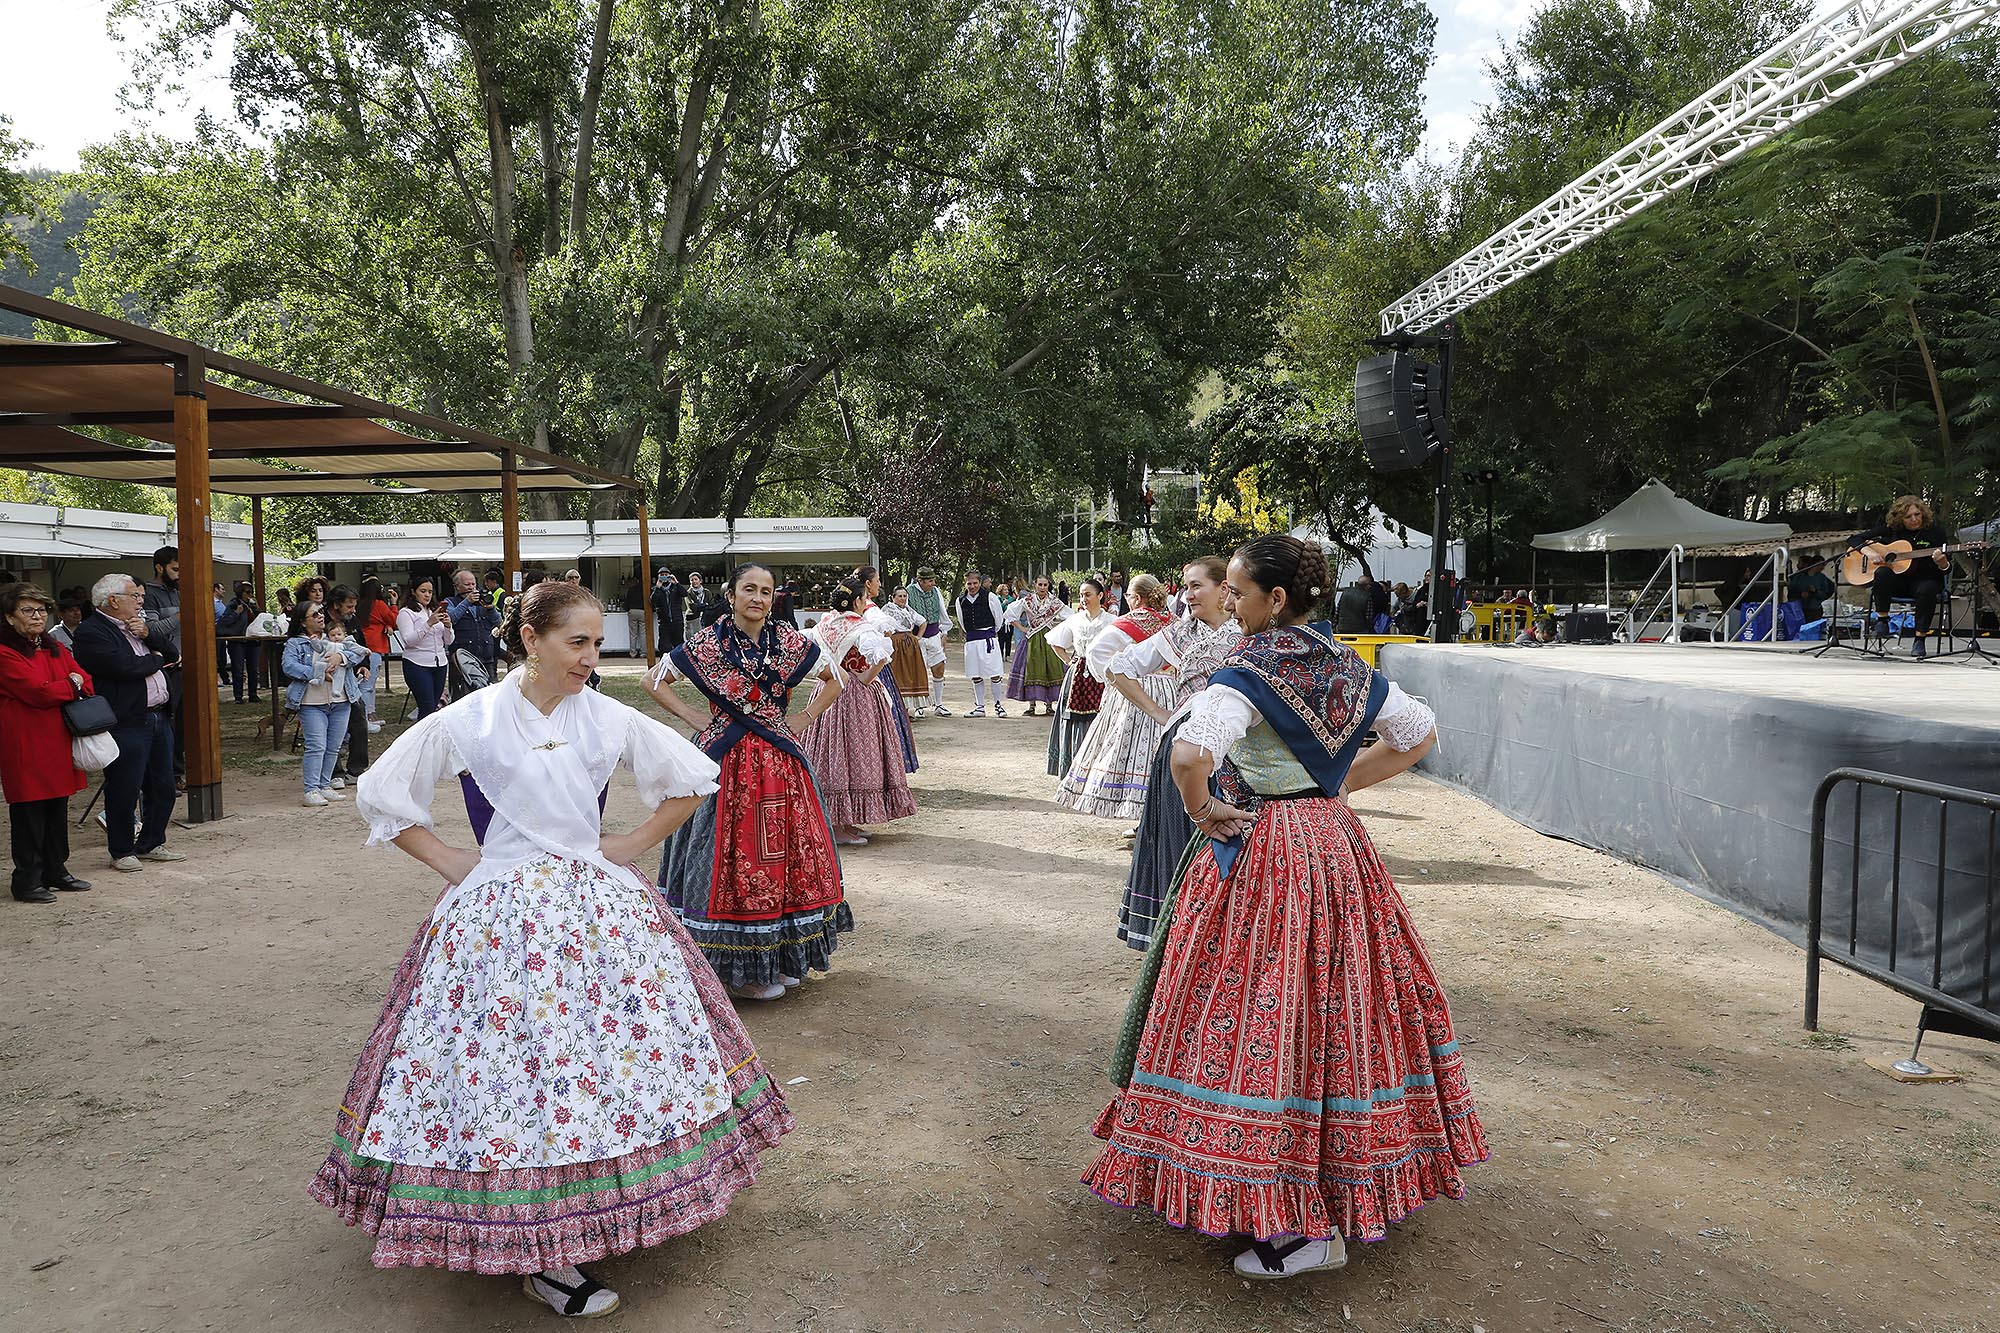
(1702, 762)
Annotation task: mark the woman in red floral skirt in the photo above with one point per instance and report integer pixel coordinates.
(1296, 1079)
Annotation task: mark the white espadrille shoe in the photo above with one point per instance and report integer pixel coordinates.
(1290, 1256)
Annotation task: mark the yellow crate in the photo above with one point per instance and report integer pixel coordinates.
(1366, 644)
(1496, 622)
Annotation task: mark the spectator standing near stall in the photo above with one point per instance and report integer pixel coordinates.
(162, 599)
(127, 668)
(233, 622)
(474, 624)
(69, 614)
(37, 677)
(322, 691)
(376, 615)
(425, 630)
(669, 612)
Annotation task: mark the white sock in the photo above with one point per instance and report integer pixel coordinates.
(937, 691)
(978, 692)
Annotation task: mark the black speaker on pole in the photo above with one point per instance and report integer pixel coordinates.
(1399, 406)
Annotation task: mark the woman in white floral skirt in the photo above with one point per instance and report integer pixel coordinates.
(557, 1075)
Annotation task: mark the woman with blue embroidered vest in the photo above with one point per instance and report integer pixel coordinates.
(323, 691)
(754, 875)
(557, 1075)
(1295, 1077)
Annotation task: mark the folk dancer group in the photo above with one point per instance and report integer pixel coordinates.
(558, 1074)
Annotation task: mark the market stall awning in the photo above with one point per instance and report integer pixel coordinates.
(379, 544)
(1653, 518)
(803, 541)
(680, 538)
(541, 543)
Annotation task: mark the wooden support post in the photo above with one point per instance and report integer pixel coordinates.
(646, 580)
(510, 522)
(201, 713)
(256, 550)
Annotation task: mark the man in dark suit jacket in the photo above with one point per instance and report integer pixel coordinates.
(669, 600)
(119, 649)
(1354, 611)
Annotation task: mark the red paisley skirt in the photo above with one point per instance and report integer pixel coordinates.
(1298, 1072)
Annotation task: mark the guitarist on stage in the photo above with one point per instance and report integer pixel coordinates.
(1910, 520)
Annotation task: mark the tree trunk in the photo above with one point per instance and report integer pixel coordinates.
(586, 127)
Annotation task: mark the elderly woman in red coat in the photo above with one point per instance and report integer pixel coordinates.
(37, 677)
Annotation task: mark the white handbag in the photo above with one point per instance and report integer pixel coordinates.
(93, 753)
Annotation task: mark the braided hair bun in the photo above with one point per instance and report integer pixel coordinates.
(1299, 567)
(845, 594)
(544, 606)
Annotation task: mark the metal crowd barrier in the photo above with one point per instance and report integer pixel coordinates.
(1944, 1010)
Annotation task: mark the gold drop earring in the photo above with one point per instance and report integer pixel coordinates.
(534, 668)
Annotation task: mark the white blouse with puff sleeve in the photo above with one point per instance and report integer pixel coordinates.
(1221, 716)
(396, 792)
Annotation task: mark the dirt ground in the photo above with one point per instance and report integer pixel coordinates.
(1670, 1150)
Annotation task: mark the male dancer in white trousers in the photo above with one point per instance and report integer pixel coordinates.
(979, 616)
(927, 600)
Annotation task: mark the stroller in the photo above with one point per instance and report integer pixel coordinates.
(469, 672)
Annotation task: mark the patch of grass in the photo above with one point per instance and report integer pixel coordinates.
(1697, 1067)
(1582, 1032)
(1828, 1041)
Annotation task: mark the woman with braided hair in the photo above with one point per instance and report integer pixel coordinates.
(1289, 1072)
(856, 751)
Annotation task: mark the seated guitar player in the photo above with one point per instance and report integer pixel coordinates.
(1909, 520)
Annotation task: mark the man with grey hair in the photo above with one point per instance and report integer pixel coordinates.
(124, 657)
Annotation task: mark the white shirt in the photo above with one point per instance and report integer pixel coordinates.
(1076, 634)
(1221, 716)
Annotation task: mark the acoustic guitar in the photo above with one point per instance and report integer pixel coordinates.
(1859, 567)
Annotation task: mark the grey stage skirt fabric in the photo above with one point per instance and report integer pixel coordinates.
(1164, 833)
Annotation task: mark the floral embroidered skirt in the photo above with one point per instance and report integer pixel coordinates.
(753, 874)
(857, 758)
(1109, 774)
(556, 1076)
(1297, 1072)
(1037, 674)
(1157, 849)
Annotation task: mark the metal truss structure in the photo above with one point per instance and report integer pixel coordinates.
(1837, 53)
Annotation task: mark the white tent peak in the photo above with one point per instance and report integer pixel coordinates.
(1397, 553)
(1653, 518)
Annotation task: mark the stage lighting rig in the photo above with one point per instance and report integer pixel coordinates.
(1401, 404)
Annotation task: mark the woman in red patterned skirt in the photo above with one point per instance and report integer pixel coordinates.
(754, 876)
(856, 751)
(1296, 1078)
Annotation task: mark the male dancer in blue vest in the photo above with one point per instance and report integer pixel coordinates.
(979, 616)
(927, 600)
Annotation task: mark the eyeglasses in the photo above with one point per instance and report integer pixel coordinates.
(32, 609)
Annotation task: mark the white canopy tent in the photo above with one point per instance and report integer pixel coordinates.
(1653, 518)
(46, 535)
(1396, 554)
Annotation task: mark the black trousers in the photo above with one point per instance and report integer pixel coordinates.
(1920, 585)
(357, 741)
(141, 776)
(179, 728)
(41, 843)
(242, 669)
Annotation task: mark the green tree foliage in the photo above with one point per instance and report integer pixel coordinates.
(1808, 330)
(17, 200)
(925, 258)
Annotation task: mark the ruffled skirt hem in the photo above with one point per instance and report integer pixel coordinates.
(1355, 1209)
(534, 1219)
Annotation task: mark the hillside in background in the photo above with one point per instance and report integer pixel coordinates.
(48, 241)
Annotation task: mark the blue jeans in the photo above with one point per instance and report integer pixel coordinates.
(368, 686)
(426, 683)
(324, 725)
(139, 784)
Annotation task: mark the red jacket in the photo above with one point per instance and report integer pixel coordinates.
(381, 619)
(34, 743)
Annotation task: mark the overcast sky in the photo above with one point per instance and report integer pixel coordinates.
(60, 74)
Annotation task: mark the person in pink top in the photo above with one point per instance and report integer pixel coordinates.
(424, 626)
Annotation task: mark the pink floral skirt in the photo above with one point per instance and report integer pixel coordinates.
(857, 756)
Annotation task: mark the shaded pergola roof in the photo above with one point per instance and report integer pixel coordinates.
(319, 440)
